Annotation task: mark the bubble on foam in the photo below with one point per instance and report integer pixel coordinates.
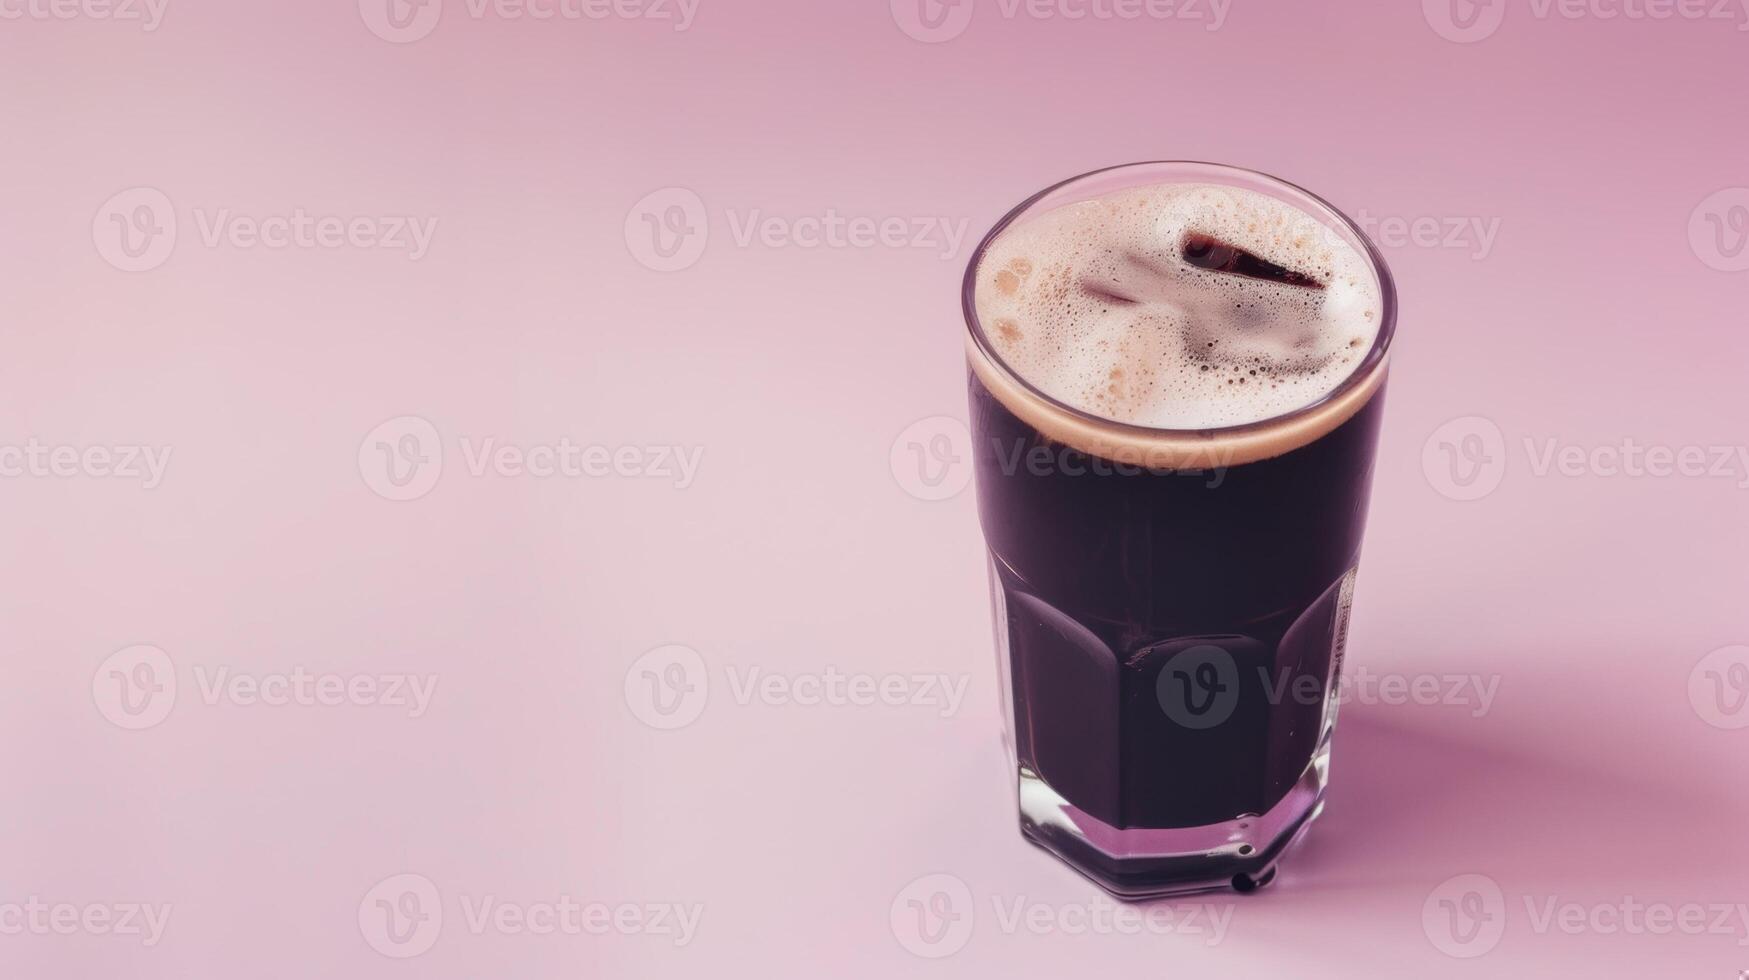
(1096, 305)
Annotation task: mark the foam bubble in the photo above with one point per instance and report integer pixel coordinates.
(1179, 306)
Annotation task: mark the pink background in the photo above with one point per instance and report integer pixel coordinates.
(1592, 319)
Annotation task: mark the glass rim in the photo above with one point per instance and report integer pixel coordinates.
(1360, 375)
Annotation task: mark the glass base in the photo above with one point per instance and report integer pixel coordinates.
(1136, 864)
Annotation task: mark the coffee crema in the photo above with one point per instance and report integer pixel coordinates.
(1174, 310)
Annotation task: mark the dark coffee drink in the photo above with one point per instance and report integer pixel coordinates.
(1177, 376)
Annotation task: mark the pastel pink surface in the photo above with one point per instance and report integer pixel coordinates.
(1592, 598)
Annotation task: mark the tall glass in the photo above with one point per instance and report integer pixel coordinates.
(1171, 606)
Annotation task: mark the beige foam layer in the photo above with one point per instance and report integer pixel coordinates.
(1097, 305)
(1165, 450)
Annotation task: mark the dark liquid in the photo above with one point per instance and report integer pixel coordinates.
(1231, 583)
